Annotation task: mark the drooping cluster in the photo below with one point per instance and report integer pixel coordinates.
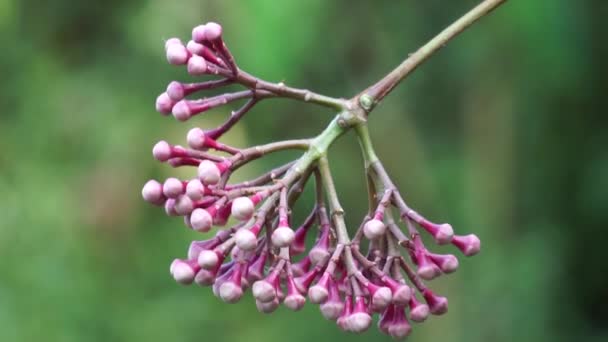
(381, 270)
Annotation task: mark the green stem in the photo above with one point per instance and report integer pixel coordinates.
(374, 94)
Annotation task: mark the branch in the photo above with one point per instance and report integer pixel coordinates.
(378, 91)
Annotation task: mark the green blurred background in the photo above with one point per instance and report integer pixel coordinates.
(501, 134)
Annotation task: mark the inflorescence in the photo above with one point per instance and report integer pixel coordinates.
(381, 269)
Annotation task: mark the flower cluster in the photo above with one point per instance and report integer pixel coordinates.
(380, 270)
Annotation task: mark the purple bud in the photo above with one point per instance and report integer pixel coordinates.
(319, 293)
(245, 239)
(208, 172)
(342, 321)
(173, 187)
(196, 138)
(198, 33)
(255, 271)
(386, 318)
(161, 151)
(264, 291)
(399, 327)
(153, 192)
(176, 53)
(197, 66)
(448, 263)
(334, 306)
(320, 252)
(294, 300)
(175, 91)
(242, 208)
(172, 41)
(301, 266)
(401, 292)
(183, 205)
(201, 220)
(194, 47)
(426, 268)
(418, 311)
(359, 320)
(230, 291)
(195, 189)
(183, 271)
(282, 236)
(204, 278)
(181, 110)
(468, 244)
(208, 259)
(170, 207)
(374, 229)
(438, 305)
(212, 31)
(164, 104)
(382, 296)
(267, 307)
(442, 233)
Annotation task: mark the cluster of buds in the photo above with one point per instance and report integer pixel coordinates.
(258, 247)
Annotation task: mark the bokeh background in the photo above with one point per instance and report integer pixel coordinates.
(503, 133)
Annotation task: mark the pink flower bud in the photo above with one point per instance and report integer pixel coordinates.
(374, 229)
(468, 244)
(448, 263)
(426, 268)
(208, 259)
(333, 307)
(176, 53)
(301, 266)
(196, 138)
(267, 307)
(213, 31)
(360, 320)
(204, 278)
(418, 311)
(399, 327)
(197, 66)
(245, 239)
(231, 291)
(162, 151)
(175, 91)
(170, 207)
(264, 291)
(164, 104)
(201, 220)
(255, 271)
(381, 296)
(282, 236)
(153, 192)
(208, 172)
(195, 190)
(441, 232)
(183, 271)
(401, 292)
(181, 110)
(183, 205)
(343, 320)
(172, 41)
(242, 208)
(438, 305)
(386, 319)
(294, 300)
(195, 48)
(173, 187)
(320, 252)
(198, 33)
(319, 293)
